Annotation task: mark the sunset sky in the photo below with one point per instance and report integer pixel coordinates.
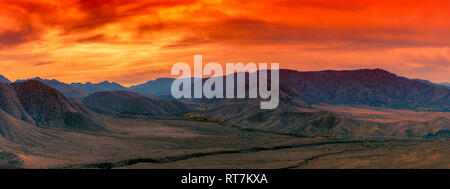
(131, 41)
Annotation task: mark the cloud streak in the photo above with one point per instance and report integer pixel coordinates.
(77, 39)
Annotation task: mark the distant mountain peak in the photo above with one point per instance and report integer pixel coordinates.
(34, 82)
(124, 102)
(4, 79)
(106, 85)
(34, 78)
(64, 88)
(365, 70)
(105, 82)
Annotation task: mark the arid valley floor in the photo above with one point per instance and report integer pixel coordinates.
(171, 142)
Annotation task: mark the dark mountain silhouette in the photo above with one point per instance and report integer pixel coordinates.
(371, 87)
(40, 105)
(367, 87)
(123, 102)
(445, 84)
(98, 87)
(298, 90)
(4, 79)
(64, 88)
(159, 88)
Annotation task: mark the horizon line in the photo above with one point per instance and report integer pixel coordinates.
(146, 81)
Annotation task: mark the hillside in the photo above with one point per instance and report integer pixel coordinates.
(4, 79)
(40, 105)
(65, 89)
(123, 102)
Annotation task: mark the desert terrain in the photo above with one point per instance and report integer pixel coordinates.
(155, 142)
(327, 119)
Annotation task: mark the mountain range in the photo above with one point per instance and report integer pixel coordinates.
(372, 87)
(64, 88)
(98, 87)
(52, 104)
(159, 88)
(299, 91)
(124, 102)
(365, 87)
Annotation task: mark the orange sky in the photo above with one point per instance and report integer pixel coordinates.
(131, 41)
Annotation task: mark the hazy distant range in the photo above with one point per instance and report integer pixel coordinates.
(365, 102)
(159, 88)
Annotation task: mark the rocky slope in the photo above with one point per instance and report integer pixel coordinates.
(42, 106)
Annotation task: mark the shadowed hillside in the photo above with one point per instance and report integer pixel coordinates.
(369, 87)
(98, 87)
(20, 132)
(157, 88)
(4, 79)
(372, 87)
(38, 104)
(123, 102)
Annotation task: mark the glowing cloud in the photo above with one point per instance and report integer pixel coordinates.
(130, 41)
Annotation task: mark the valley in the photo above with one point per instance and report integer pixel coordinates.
(173, 142)
(326, 119)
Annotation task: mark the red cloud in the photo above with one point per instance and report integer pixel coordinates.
(116, 37)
